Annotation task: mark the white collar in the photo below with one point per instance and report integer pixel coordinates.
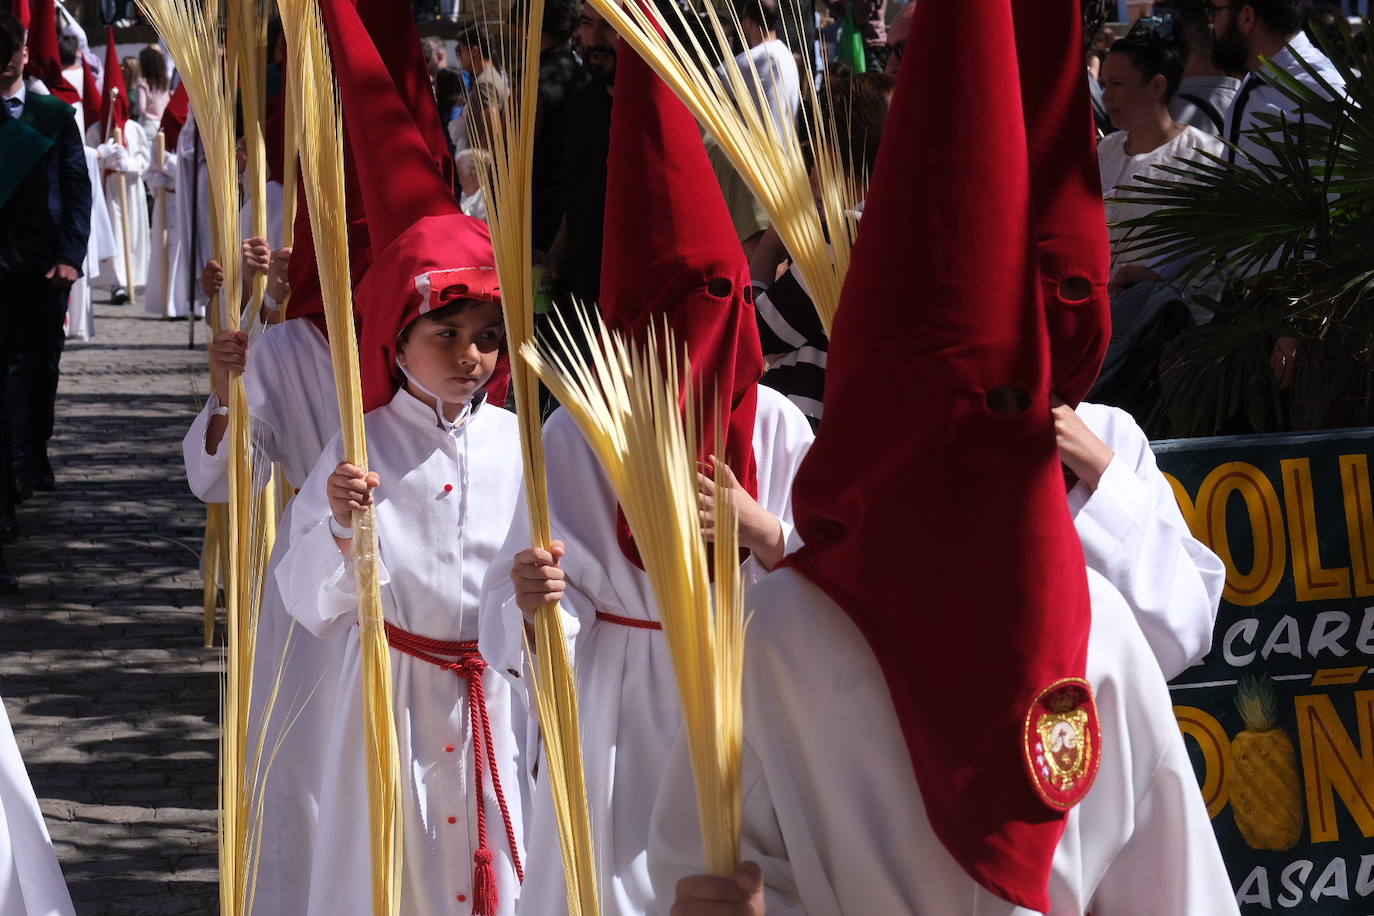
(415, 410)
(21, 95)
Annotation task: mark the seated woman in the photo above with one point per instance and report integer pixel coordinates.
(1140, 75)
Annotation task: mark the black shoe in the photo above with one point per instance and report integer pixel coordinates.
(9, 525)
(119, 297)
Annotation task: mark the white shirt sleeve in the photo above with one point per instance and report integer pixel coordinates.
(1134, 535)
(316, 580)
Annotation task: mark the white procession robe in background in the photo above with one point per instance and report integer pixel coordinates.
(140, 154)
(31, 882)
(1133, 533)
(626, 688)
(290, 386)
(833, 815)
(100, 246)
(191, 225)
(160, 297)
(444, 506)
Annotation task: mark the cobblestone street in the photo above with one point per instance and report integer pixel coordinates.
(112, 697)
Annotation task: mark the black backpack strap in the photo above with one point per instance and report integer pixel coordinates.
(1206, 108)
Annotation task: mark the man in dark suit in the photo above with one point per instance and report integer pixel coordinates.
(45, 218)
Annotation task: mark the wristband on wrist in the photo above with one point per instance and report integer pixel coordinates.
(339, 531)
(216, 406)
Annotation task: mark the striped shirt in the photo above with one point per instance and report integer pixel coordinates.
(794, 344)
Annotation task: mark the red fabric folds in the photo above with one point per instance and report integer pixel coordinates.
(944, 329)
(671, 256)
(114, 102)
(45, 61)
(425, 251)
(174, 116)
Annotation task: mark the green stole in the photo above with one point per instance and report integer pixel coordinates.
(25, 140)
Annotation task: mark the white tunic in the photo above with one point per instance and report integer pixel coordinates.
(290, 386)
(626, 689)
(1134, 535)
(140, 152)
(100, 246)
(833, 814)
(435, 546)
(31, 882)
(160, 297)
(192, 222)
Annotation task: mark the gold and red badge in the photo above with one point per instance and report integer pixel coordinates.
(1063, 742)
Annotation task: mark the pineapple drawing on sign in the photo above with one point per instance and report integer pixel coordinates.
(1266, 792)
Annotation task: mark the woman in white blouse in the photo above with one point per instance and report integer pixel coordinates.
(1140, 75)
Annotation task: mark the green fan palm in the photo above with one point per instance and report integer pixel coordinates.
(1293, 239)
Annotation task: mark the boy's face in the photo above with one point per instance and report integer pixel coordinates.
(456, 354)
(13, 68)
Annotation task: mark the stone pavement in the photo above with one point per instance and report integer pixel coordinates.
(113, 699)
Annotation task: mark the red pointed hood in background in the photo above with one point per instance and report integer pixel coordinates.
(174, 116)
(398, 43)
(943, 327)
(426, 253)
(114, 102)
(20, 8)
(671, 256)
(45, 61)
(1069, 215)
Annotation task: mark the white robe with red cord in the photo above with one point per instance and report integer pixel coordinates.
(626, 688)
(444, 506)
(833, 814)
(140, 152)
(290, 387)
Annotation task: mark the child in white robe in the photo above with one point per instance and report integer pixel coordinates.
(690, 272)
(191, 242)
(100, 246)
(31, 882)
(1133, 533)
(160, 295)
(124, 164)
(289, 383)
(448, 491)
(834, 817)
(931, 783)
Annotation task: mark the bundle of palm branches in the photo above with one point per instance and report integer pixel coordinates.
(1289, 230)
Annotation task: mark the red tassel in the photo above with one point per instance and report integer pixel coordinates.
(485, 898)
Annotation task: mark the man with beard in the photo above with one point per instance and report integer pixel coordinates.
(1206, 92)
(575, 255)
(1243, 34)
(1269, 29)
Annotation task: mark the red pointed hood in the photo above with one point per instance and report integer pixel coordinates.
(397, 42)
(394, 34)
(671, 255)
(114, 102)
(1070, 235)
(20, 9)
(951, 334)
(45, 61)
(426, 253)
(174, 116)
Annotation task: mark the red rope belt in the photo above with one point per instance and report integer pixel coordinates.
(632, 622)
(468, 664)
